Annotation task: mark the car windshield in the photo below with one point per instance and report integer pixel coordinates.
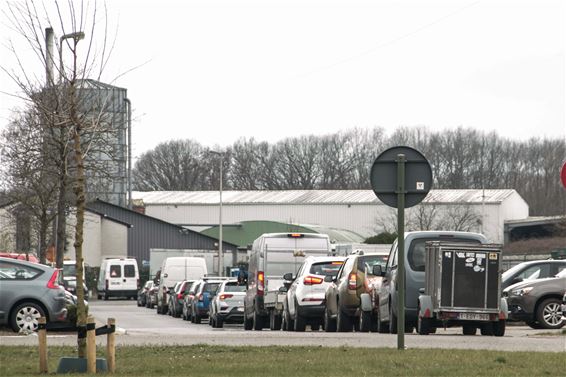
(210, 288)
(329, 268)
(510, 272)
(367, 262)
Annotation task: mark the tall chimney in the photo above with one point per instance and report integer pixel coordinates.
(49, 56)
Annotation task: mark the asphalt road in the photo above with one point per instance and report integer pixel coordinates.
(141, 326)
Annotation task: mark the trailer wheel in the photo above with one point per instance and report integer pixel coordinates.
(258, 321)
(329, 322)
(469, 330)
(274, 321)
(499, 328)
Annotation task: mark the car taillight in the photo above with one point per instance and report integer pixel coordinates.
(310, 280)
(52, 283)
(352, 280)
(179, 296)
(225, 296)
(260, 283)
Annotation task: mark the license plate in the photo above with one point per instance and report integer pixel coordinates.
(474, 316)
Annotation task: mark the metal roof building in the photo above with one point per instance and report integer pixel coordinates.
(356, 210)
(146, 232)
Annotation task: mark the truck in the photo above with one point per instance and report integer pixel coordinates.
(345, 249)
(273, 255)
(462, 288)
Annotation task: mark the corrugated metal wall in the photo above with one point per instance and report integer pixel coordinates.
(147, 233)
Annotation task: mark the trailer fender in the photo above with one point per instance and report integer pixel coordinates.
(503, 309)
(365, 300)
(425, 306)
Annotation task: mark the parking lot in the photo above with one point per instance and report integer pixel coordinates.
(140, 326)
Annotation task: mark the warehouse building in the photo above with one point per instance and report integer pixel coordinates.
(358, 211)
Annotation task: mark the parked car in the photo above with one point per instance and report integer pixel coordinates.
(70, 278)
(176, 301)
(343, 295)
(538, 269)
(118, 277)
(201, 301)
(29, 291)
(143, 292)
(305, 301)
(538, 302)
(227, 306)
(188, 300)
(151, 296)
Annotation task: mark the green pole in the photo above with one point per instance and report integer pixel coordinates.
(401, 251)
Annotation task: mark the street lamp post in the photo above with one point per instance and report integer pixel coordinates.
(220, 251)
(77, 36)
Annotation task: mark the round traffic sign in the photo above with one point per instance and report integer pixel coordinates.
(418, 176)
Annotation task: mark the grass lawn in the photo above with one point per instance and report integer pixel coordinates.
(205, 360)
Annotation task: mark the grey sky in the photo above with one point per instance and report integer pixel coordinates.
(215, 71)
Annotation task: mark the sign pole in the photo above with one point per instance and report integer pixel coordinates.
(401, 250)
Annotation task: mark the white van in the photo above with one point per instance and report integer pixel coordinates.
(119, 277)
(174, 270)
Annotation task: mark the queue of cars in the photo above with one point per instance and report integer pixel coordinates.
(358, 292)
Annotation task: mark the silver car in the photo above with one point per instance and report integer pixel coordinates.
(228, 304)
(29, 291)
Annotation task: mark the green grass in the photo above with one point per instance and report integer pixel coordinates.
(205, 360)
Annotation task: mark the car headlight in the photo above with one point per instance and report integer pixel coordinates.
(521, 291)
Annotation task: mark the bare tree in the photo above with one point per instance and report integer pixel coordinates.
(70, 116)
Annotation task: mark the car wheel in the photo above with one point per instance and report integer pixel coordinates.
(300, 321)
(365, 321)
(392, 321)
(469, 330)
(258, 321)
(25, 317)
(288, 324)
(343, 321)
(499, 328)
(549, 314)
(106, 297)
(381, 326)
(248, 323)
(329, 322)
(198, 319)
(219, 323)
(315, 327)
(423, 324)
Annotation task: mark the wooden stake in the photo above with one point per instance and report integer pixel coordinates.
(42, 336)
(91, 345)
(111, 347)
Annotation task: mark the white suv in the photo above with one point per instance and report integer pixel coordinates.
(305, 297)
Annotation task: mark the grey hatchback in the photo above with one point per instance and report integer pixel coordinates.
(29, 291)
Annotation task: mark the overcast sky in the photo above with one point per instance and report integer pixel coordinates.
(215, 71)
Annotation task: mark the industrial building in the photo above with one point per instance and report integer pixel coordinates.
(358, 211)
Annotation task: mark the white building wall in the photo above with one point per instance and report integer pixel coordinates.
(115, 240)
(91, 239)
(360, 218)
